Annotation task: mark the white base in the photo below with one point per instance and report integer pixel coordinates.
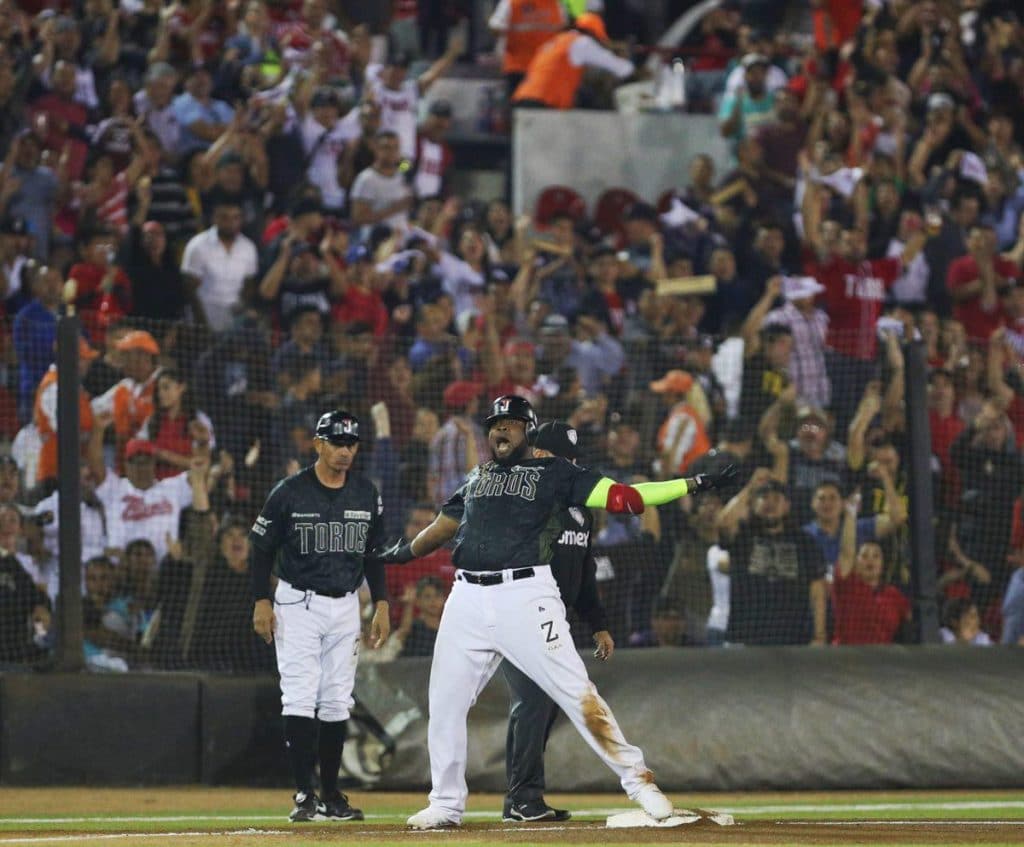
(679, 817)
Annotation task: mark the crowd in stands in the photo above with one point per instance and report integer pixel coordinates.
(250, 207)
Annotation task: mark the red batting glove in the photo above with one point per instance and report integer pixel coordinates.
(624, 500)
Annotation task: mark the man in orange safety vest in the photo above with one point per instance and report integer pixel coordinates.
(556, 72)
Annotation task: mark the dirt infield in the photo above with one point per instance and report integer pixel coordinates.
(754, 832)
(203, 817)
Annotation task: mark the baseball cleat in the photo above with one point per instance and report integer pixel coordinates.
(307, 808)
(431, 818)
(336, 808)
(652, 801)
(533, 811)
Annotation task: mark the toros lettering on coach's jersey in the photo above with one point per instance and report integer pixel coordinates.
(332, 537)
(521, 482)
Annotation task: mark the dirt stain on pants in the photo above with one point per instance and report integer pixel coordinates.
(605, 729)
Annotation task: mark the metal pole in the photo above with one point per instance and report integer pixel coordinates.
(919, 488)
(69, 460)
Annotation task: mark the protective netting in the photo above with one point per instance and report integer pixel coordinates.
(271, 213)
(184, 431)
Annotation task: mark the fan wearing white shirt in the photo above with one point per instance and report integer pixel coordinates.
(324, 136)
(389, 86)
(94, 534)
(381, 194)
(218, 261)
(137, 505)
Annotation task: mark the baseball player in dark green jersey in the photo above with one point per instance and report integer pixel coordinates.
(532, 712)
(320, 526)
(505, 520)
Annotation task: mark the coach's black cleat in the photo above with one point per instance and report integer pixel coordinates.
(336, 808)
(307, 808)
(533, 811)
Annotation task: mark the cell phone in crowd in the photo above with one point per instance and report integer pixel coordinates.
(889, 326)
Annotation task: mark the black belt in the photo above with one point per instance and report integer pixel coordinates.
(495, 578)
(334, 595)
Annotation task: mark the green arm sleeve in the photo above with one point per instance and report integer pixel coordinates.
(658, 493)
(598, 498)
(652, 493)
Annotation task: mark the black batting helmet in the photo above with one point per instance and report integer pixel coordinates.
(515, 407)
(338, 427)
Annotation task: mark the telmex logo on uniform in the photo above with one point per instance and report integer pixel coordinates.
(357, 515)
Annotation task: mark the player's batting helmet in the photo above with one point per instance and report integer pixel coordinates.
(516, 407)
(338, 427)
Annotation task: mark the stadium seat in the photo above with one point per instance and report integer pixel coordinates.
(610, 208)
(557, 199)
(665, 200)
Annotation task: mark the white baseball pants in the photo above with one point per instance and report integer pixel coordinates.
(317, 642)
(523, 621)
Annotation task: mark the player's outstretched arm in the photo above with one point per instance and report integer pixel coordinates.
(619, 498)
(441, 530)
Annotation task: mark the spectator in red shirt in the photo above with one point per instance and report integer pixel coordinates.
(61, 121)
(104, 292)
(359, 301)
(176, 426)
(855, 292)
(974, 282)
(866, 612)
(437, 564)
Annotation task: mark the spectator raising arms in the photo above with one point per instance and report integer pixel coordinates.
(866, 611)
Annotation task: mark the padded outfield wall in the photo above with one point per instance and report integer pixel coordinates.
(742, 719)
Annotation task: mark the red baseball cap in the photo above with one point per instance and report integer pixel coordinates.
(518, 345)
(139, 447)
(459, 393)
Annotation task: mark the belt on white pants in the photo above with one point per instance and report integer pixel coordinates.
(498, 577)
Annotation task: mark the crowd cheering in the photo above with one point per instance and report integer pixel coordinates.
(253, 204)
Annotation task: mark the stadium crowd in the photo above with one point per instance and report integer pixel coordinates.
(257, 214)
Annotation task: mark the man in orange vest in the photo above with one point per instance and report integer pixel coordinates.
(556, 72)
(526, 25)
(681, 437)
(131, 400)
(44, 412)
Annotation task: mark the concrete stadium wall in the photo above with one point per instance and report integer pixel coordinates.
(590, 151)
(741, 719)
